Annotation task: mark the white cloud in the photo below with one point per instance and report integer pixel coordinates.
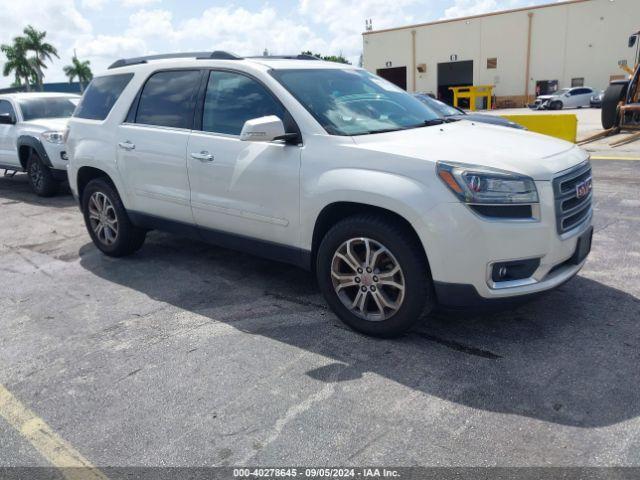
(247, 32)
(62, 21)
(110, 47)
(345, 20)
(138, 3)
(151, 23)
(465, 8)
(322, 26)
(93, 4)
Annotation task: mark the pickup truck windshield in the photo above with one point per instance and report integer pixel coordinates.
(54, 107)
(354, 102)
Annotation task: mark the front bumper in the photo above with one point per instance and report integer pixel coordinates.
(462, 248)
(56, 155)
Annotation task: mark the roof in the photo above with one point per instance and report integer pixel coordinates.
(245, 64)
(471, 17)
(219, 57)
(27, 95)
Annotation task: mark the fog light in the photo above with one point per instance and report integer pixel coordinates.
(63, 156)
(515, 270)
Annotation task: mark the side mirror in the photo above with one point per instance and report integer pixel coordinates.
(567, 95)
(263, 129)
(6, 119)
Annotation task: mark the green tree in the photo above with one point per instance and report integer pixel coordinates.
(78, 69)
(18, 63)
(329, 58)
(34, 42)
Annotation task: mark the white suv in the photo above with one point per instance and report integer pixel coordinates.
(331, 168)
(31, 137)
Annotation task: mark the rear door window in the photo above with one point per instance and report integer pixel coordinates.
(168, 99)
(101, 96)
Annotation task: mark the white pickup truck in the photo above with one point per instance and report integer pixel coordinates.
(32, 137)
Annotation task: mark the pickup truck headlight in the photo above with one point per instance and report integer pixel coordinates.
(52, 136)
(487, 186)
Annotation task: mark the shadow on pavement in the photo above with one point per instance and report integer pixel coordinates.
(16, 189)
(570, 357)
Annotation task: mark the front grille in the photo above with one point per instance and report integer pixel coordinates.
(571, 211)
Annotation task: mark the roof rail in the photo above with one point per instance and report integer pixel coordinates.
(302, 56)
(217, 55)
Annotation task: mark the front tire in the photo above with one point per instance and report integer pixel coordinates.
(557, 105)
(40, 178)
(374, 275)
(107, 221)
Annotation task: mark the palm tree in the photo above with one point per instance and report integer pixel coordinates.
(18, 63)
(78, 69)
(34, 41)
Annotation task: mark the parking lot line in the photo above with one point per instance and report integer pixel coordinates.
(602, 157)
(72, 465)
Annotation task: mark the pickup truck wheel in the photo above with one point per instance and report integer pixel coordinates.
(374, 275)
(40, 178)
(107, 221)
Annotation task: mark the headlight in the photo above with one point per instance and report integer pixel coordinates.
(56, 137)
(482, 185)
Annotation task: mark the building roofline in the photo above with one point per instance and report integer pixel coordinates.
(472, 17)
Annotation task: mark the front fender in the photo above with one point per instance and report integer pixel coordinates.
(402, 195)
(34, 143)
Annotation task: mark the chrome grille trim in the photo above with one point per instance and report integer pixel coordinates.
(570, 210)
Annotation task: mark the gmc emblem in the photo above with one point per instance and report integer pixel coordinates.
(584, 188)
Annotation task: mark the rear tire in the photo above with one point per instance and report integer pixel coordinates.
(107, 221)
(382, 293)
(40, 178)
(612, 97)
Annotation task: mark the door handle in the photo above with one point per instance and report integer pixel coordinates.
(126, 145)
(203, 156)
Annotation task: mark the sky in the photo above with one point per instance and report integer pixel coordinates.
(103, 31)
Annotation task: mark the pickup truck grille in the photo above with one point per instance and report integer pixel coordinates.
(572, 210)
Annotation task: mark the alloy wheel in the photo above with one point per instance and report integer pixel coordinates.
(368, 279)
(103, 218)
(36, 175)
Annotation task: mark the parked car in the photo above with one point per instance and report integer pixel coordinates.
(596, 99)
(448, 112)
(577, 97)
(331, 168)
(31, 137)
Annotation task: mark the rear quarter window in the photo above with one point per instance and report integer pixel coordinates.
(101, 96)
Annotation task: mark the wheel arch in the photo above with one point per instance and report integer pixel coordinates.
(86, 174)
(340, 210)
(25, 145)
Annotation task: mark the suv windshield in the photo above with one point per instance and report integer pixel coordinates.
(442, 108)
(54, 107)
(354, 102)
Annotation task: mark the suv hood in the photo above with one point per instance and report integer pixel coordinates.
(519, 151)
(45, 124)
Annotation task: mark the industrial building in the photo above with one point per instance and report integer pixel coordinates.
(522, 52)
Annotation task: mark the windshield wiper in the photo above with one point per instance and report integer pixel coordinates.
(433, 121)
(426, 123)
